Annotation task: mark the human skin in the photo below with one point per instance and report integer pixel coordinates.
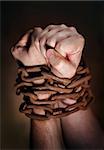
(81, 129)
(46, 135)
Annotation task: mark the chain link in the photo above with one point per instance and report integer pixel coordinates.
(35, 80)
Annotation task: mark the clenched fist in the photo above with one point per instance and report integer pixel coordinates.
(65, 54)
(27, 50)
(58, 46)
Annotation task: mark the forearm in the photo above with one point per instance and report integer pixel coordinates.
(82, 130)
(46, 135)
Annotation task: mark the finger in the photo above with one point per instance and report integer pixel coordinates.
(36, 33)
(49, 31)
(60, 66)
(75, 58)
(49, 28)
(53, 31)
(71, 47)
(34, 49)
(60, 35)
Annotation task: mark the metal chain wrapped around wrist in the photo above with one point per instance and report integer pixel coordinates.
(77, 89)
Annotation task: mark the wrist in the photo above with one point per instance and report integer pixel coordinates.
(43, 131)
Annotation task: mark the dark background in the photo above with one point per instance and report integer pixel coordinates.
(16, 19)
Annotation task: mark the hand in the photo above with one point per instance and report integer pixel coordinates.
(31, 55)
(67, 45)
(28, 52)
(27, 49)
(64, 57)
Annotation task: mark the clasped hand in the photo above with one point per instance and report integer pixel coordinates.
(64, 52)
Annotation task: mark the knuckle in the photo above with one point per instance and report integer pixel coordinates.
(37, 29)
(69, 30)
(72, 28)
(81, 38)
(63, 25)
(50, 26)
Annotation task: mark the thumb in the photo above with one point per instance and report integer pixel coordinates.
(60, 66)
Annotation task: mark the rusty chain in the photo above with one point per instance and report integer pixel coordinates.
(35, 80)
